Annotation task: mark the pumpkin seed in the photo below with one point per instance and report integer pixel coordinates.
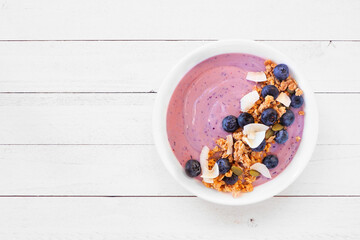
(254, 173)
(238, 171)
(290, 91)
(269, 133)
(277, 127)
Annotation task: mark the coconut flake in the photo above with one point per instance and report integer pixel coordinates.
(256, 76)
(284, 99)
(206, 173)
(249, 100)
(261, 168)
(204, 156)
(208, 180)
(254, 143)
(230, 141)
(213, 173)
(255, 134)
(251, 135)
(254, 127)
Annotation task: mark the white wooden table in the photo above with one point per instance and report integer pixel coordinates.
(77, 83)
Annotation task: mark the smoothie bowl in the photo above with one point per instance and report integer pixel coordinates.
(235, 122)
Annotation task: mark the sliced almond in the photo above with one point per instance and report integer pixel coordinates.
(249, 100)
(256, 76)
(284, 99)
(261, 168)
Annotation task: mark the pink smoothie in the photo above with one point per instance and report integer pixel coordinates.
(211, 91)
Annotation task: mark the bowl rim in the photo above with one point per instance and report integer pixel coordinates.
(268, 189)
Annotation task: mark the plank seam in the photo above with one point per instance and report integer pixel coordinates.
(166, 196)
(173, 40)
(132, 144)
(149, 92)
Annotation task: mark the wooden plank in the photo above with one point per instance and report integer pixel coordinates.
(126, 118)
(124, 66)
(136, 170)
(178, 218)
(141, 19)
(76, 118)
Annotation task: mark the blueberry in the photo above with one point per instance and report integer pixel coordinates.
(296, 101)
(260, 147)
(287, 118)
(230, 123)
(231, 180)
(192, 168)
(245, 119)
(270, 90)
(269, 116)
(270, 161)
(281, 136)
(224, 165)
(281, 72)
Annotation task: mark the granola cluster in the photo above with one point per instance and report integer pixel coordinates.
(242, 156)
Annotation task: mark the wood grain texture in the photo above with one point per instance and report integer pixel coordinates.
(205, 19)
(141, 66)
(126, 118)
(72, 125)
(136, 170)
(187, 218)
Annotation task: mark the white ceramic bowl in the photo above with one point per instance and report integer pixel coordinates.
(263, 191)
